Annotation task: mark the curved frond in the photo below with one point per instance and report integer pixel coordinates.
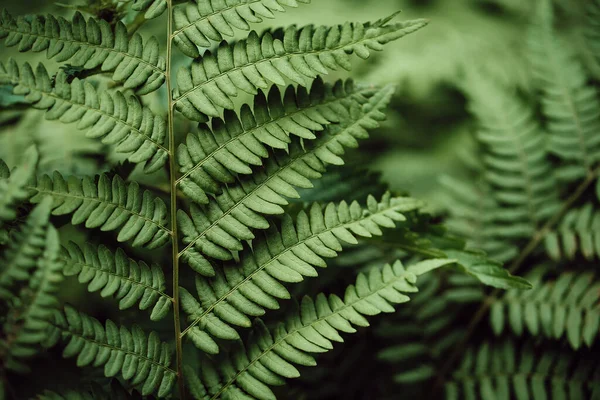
(24, 249)
(577, 233)
(142, 360)
(117, 275)
(109, 204)
(115, 118)
(300, 55)
(568, 306)
(516, 165)
(199, 24)
(571, 106)
(270, 355)
(228, 220)
(282, 256)
(151, 8)
(31, 313)
(215, 156)
(89, 44)
(13, 183)
(509, 371)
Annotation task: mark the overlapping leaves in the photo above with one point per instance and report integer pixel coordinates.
(90, 44)
(300, 55)
(113, 117)
(270, 354)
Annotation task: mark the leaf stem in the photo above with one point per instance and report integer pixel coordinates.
(513, 268)
(173, 196)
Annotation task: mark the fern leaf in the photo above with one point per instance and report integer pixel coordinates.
(139, 359)
(89, 44)
(578, 233)
(300, 55)
(472, 208)
(31, 314)
(24, 249)
(229, 219)
(114, 117)
(214, 156)
(198, 24)
(285, 256)
(117, 275)
(571, 106)
(151, 8)
(422, 332)
(270, 355)
(516, 164)
(569, 305)
(13, 185)
(508, 371)
(108, 204)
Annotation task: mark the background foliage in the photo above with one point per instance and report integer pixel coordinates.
(479, 127)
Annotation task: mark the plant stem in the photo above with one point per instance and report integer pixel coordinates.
(173, 195)
(513, 268)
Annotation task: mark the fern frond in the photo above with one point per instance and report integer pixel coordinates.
(142, 360)
(116, 118)
(108, 204)
(199, 24)
(284, 256)
(13, 184)
(151, 8)
(31, 313)
(24, 249)
(571, 106)
(423, 331)
(578, 233)
(299, 55)
(229, 219)
(568, 306)
(89, 44)
(507, 371)
(118, 275)
(471, 208)
(270, 355)
(215, 156)
(515, 159)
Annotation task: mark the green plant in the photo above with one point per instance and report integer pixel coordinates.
(228, 183)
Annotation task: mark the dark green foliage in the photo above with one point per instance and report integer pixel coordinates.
(131, 354)
(257, 200)
(506, 371)
(108, 204)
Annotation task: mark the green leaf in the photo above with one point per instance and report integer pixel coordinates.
(487, 271)
(108, 204)
(297, 54)
(142, 360)
(116, 118)
(91, 43)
